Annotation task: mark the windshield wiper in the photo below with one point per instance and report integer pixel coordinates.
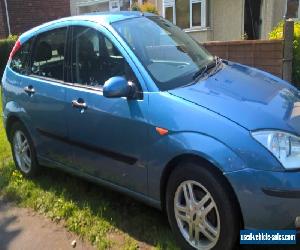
(219, 62)
(200, 73)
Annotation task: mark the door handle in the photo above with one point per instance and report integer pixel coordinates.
(29, 90)
(79, 104)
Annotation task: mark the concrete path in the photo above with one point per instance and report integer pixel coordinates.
(22, 229)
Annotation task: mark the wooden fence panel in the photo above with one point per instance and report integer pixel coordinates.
(263, 54)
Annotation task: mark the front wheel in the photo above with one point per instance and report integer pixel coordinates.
(201, 212)
(23, 150)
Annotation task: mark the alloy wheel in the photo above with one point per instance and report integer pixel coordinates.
(22, 151)
(197, 215)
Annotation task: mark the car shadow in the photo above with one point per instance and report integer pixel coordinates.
(143, 223)
(7, 235)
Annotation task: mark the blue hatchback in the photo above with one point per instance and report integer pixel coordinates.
(130, 101)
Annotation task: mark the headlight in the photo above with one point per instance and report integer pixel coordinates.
(284, 146)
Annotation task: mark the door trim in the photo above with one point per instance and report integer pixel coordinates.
(105, 152)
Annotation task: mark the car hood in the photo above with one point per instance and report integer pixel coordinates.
(249, 97)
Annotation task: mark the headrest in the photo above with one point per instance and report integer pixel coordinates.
(86, 49)
(43, 52)
(61, 50)
(115, 51)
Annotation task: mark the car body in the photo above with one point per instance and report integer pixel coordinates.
(133, 144)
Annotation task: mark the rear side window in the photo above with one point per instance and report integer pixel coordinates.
(20, 59)
(48, 54)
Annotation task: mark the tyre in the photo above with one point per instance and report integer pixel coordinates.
(23, 150)
(201, 211)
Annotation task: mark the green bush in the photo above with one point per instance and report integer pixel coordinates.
(277, 33)
(6, 46)
(145, 7)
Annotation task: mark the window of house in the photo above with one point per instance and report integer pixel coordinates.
(20, 59)
(196, 14)
(95, 59)
(169, 13)
(186, 14)
(48, 54)
(182, 8)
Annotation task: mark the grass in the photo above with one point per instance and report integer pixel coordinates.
(105, 218)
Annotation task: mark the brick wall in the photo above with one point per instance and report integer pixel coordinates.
(25, 15)
(263, 54)
(3, 25)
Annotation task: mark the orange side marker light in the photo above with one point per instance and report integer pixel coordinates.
(162, 131)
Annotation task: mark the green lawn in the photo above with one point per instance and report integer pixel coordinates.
(103, 217)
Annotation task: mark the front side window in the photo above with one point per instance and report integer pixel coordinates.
(95, 59)
(20, 59)
(48, 54)
(170, 55)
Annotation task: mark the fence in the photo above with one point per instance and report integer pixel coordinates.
(263, 54)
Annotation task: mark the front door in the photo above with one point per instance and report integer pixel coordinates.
(252, 19)
(108, 134)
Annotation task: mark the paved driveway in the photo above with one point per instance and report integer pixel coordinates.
(21, 228)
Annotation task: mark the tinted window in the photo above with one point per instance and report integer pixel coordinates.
(48, 54)
(20, 59)
(95, 59)
(170, 55)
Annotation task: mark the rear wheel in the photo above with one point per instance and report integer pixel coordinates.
(23, 150)
(201, 212)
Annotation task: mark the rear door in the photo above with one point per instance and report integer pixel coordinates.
(44, 94)
(109, 135)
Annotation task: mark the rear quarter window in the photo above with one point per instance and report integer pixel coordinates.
(19, 61)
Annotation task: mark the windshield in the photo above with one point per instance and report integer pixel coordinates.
(170, 55)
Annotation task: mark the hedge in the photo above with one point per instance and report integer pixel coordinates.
(6, 46)
(277, 33)
(145, 7)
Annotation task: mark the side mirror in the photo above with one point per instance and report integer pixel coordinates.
(117, 86)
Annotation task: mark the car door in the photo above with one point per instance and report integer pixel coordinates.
(44, 95)
(108, 134)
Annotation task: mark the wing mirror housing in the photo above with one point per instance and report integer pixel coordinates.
(118, 86)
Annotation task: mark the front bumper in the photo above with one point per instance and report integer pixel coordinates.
(268, 200)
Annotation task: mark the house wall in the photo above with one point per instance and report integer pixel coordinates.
(85, 6)
(24, 15)
(226, 21)
(73, 10)
(159, 6)
(272, 13)
(227, 18)
(203, 35)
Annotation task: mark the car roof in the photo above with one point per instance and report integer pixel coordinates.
(103, 18)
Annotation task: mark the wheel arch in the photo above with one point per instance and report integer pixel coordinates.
(201, 162)
(12, 119)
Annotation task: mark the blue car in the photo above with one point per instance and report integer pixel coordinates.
(129, 101)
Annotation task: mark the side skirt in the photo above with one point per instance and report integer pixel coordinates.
(137, 196)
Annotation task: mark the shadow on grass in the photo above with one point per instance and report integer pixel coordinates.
(141, 222)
